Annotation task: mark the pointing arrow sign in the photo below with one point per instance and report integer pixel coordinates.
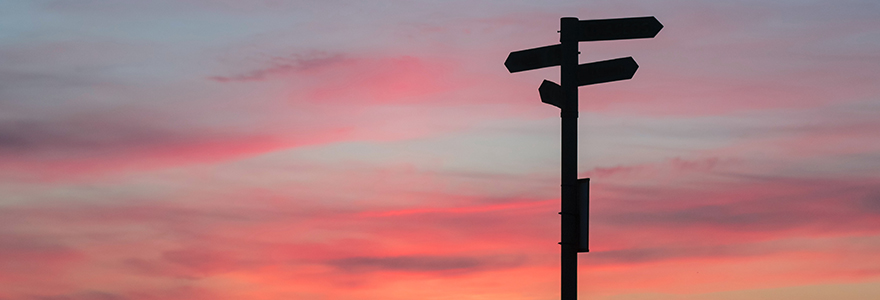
(534, 58)
(589, 30)
(606, 71)
(551, 93)
(591, 73)
(618, 29)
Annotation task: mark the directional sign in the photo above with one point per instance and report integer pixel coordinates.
(591, 73)
(618, 29)
(606, 71)
(551, 93)
(534, 58)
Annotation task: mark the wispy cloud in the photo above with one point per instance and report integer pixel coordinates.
(281, 66)
(443, 264)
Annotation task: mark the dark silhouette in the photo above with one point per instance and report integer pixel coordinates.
(575, 192)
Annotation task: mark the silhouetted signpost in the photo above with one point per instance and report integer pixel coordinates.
(575, 192)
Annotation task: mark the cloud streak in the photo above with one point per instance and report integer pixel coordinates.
(280, 66)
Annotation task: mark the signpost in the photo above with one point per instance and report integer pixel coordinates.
(618, 29)
(575, 193)
(534, 58)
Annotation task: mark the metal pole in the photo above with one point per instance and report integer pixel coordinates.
(568, 38)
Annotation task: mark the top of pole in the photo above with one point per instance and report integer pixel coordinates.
(568, 29)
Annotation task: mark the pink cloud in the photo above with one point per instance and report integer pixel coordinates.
(26, 258)
(72, 149)
(333, 79)
(743, 216)
(299, 246)
(306, 63)
(402, 79)
(676, 167)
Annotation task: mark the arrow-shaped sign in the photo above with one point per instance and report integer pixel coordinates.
(589, 30)
(591, 73)
(551, 93)
(618, 29)
(534, 58)
(606, 71)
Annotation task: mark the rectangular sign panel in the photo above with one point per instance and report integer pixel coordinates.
(534, 58)
(583, 198)
(618, 29)
(606, 71)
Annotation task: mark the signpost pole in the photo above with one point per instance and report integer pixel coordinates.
(565, 96)
(568, 38)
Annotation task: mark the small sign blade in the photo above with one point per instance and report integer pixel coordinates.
(606, 71)
(583, 198)
(551, 93)
(619, 29)
(534, 58)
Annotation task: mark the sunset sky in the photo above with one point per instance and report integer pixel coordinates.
(379, 150)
